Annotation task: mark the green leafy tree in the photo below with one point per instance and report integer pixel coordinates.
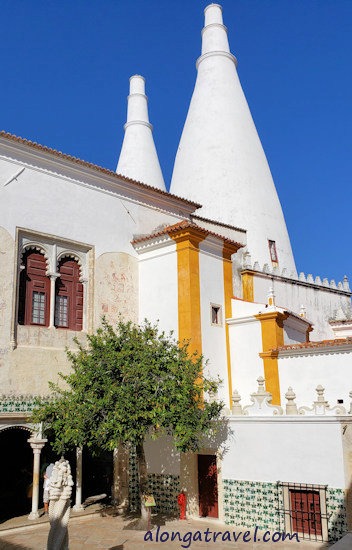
(126, 384)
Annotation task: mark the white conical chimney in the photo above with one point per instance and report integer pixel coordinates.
(138, 158)
(220, 161)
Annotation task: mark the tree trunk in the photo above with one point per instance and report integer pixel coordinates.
(143, 480)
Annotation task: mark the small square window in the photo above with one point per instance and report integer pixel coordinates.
(215, 315)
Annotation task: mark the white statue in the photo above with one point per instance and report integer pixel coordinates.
(59, 505)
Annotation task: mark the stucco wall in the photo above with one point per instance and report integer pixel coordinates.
(116, 287)
(320, 303)
(245, 343)
(285, 449)
(304, 372)
(162, 457)
(213, 336)
(158, 288)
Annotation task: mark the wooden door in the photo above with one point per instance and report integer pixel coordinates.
(208, 486)
(306, 513)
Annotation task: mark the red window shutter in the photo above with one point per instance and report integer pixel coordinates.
(69, 286)
(34, 292)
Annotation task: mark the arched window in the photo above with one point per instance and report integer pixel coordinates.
(69, 296)
(34, 291)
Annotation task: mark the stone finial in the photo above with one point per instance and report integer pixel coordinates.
(303, 312)
(333, 284)
(345, 284)
(317, 280)
(321, 406)
(302, 277)
(256, 266)
(310, 278)
(291, 407)
(271, 299)
(261, 402)
(325, 281)
(266, 268)
(236, 406)
(247, 260)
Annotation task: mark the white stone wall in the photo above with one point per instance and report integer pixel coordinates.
(320, 302)
(244, 328)
(288, 449)
(57, 200)
(158, 288)
(162, 457)
(305, 370)
(212, 293)
(73, 209)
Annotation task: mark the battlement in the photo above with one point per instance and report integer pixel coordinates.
(302, 278)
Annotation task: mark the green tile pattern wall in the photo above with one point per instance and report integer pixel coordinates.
(337, 514)
(253, 503)
(164, 488)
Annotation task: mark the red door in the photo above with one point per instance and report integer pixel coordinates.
(208, 486)
(306, 513)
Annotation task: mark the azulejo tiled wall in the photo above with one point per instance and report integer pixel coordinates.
(253, 503)
(337, 514)
(163, 487)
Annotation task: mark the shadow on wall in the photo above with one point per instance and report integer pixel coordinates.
(5, 545)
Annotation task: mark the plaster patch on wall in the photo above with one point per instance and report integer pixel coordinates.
(116, 287)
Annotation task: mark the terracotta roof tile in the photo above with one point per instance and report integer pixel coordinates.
(184, 224)
(320, 344)
(86, 164)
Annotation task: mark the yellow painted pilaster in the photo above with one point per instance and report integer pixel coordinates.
(189, 319)
(228, 295)
(272, 338)
(248, 286)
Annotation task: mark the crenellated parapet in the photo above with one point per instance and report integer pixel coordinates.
(302, 278)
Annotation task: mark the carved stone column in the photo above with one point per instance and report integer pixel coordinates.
(53, 277)
(37, 445)
(78, 504)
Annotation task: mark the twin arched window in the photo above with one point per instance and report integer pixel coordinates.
(35, 291)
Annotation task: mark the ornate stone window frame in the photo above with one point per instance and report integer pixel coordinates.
(54, 249)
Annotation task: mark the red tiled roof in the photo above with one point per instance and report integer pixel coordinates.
(184, 224)
(95, 167)
(321, 344)
(221, 224)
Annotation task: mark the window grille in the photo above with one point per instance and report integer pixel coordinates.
(304, 510)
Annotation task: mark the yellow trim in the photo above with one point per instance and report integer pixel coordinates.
(189, 319)
(228, 295)
(248, 286)
(272, 338)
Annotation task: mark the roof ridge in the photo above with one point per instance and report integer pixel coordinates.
(88, 164)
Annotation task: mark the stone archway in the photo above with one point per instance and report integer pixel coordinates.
(16, 467)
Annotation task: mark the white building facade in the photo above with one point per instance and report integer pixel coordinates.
(214, 265)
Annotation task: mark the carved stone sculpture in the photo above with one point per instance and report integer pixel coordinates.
(59, 505)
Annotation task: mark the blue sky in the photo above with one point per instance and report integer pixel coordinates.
(66, 65)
